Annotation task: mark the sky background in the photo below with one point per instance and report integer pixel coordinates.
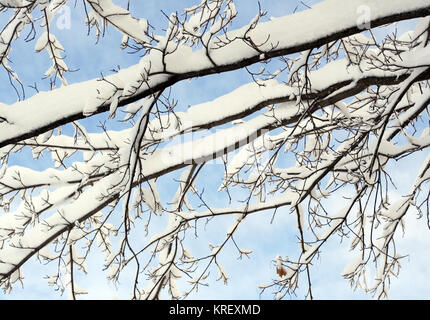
(90, 59)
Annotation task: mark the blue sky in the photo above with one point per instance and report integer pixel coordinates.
(257, 233)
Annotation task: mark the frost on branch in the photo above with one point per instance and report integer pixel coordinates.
(123, 165)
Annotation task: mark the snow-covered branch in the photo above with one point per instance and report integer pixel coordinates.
(330, 106)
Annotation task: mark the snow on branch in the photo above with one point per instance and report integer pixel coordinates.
(156, 71)
(120, 18)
